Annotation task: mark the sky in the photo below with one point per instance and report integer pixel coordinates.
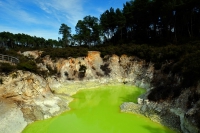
(43, 18)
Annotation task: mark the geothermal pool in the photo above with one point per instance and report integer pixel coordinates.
(97, 111)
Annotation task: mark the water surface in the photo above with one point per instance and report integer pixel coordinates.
(97, 111)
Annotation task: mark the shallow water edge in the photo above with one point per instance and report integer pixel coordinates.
(97, 110)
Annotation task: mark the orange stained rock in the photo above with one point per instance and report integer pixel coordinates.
(60, 64)
(92, 55)
(115, 58)
(123, 56)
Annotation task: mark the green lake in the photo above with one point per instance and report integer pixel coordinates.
(97, 111)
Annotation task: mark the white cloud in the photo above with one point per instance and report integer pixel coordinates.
(100, 10)
(64, 10)
(50, 15)
(14, 11)
(44, 7)
(44, 17)
(26, 17)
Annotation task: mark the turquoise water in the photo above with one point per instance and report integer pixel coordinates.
(97, 111)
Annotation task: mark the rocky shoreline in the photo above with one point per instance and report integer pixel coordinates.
(153, 112)
(34, 97)
(25, 98)
(166, 113)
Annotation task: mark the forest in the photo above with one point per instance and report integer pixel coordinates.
(154, 22)
(158, 31)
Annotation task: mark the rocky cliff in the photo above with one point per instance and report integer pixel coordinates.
(39, 97)
(24, 98)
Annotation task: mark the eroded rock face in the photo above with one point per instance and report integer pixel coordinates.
(23, 85)
(115, 68)
(31, 100)
(33, 97)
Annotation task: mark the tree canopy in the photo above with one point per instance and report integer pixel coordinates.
(88, 31)
(140, 21)
(66, 34)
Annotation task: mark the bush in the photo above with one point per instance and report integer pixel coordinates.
(1, 81)
(7, 67)
(65, 52)
(28, 66)
(189, 67)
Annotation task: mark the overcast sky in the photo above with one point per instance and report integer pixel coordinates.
(42, 18)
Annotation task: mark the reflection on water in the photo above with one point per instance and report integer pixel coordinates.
(97, 111)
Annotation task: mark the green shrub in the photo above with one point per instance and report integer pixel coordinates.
(28, 66)
(65, 52)
(7, 67)
(1, 81)
(189, 67)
